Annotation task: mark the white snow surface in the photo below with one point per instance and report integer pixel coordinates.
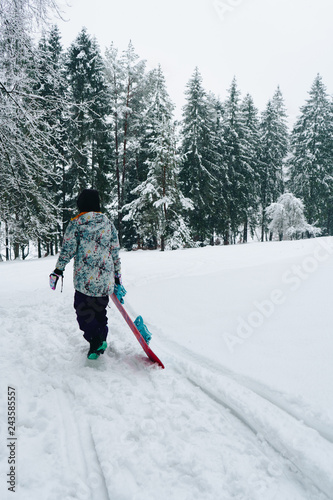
(243, 409)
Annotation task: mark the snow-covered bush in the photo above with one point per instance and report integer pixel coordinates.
(287, 218)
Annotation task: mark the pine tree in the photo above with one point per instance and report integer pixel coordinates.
(114, 73)
(283, 130)
(51, 86)
(158, 205)
(198, 173)
(251, 158)
(239, 155)
(90, 106)
(311, 161)
(159, 105)
(219, 219)
(274, 148)
(158, 108)
(157, 211)
(26, 205)
(127, 87)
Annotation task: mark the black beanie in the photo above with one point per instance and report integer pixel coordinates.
(88, 201)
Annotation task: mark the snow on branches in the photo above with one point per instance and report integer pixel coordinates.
(287, 218)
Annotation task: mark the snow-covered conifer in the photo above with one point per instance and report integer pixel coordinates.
(90, 106)
(311, 161)
(239, 123)
(157, 211)
(273, 151)
(198, 173)
(158, 205)
(51, 87)
(27, 207)
(251, 156)
(125, 75)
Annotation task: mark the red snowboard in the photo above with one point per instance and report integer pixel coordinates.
(151, 355)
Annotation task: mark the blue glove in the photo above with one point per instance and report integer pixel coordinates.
(120, 293)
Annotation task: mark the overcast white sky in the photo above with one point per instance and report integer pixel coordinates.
(264, 43)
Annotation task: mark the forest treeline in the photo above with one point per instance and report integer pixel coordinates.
(77, 118)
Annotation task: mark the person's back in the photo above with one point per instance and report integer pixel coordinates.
(92, 240)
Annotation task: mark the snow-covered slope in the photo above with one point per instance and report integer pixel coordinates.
(243, 410)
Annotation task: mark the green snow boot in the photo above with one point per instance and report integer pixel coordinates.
(96, 351)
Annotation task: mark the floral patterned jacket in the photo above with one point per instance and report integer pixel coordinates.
(92, 240)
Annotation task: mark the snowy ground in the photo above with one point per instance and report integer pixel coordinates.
(243, 409)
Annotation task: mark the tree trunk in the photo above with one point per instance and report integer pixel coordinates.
(62, 225)
(24, 255)
(7, 241)
(118, 176)
(93, 159)
(226, 237)
(123, 177)
(117, 157)
(262, 228)
(16, 250)
(245, 230)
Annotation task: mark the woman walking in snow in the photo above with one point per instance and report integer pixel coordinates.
(92, 240)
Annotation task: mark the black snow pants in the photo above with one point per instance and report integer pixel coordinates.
(91, 315)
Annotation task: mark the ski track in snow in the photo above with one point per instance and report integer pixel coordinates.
(121, 428)
(302, 446)
(295, 406)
